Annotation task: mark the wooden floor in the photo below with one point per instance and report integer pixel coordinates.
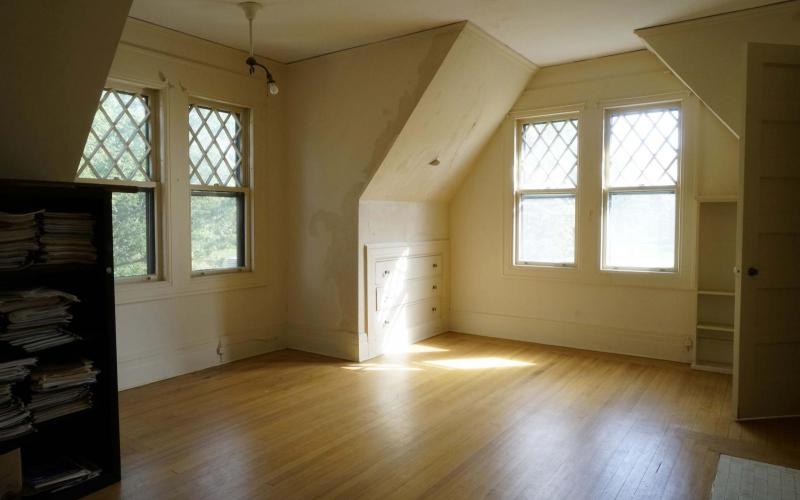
(460, 417)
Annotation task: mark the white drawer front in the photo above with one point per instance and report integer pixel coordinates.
(409, 315)
(406, 291)
(407, 268)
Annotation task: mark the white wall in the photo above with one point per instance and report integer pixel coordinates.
(169, 327)
(585, 308)
(406, 199)
(345, 110)
(51, 86)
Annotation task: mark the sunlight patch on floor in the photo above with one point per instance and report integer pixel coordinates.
(478, 363)
(380, 367)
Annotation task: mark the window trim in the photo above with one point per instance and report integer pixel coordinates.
(245, 216)
(518, 193)
(609, 111)
(155, 208)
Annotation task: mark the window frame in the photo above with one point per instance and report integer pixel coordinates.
(244, 192)
(153, 186)
(607, 191)
(519, 193)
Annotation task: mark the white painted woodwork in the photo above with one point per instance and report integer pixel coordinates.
(410, 268)
(173, 326)
(406, 294)
(768, 343)
(416, 289)
(716, 258)
(634, 313)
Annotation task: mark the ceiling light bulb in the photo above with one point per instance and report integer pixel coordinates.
(273, 88)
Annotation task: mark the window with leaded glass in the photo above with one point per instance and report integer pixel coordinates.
(640, 186)
(218, 175)
(120, 152)
(546, 183)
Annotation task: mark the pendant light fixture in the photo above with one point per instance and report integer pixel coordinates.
(250, 9)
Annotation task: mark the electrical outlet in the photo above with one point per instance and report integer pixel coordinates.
(688, 343)
(220, 349)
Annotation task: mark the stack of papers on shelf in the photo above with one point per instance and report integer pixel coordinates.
(49, 405)
(59, 390)
(14, 420)
(14, 416)
(36, 319)
(67, 238)
(58, 474)
(15, 370)
(18, 240)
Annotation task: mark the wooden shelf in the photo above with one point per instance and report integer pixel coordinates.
(718, 293)
(720, 198)
(717, 327)
(91, 434)
(710, 366)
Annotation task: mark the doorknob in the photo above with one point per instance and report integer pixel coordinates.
(752, 271)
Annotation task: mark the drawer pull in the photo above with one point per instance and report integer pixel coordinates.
(435, 287)
(385, 322)
(433, 309)
(386, 272)
(435, 266)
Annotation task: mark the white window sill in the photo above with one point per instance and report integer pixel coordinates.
(148, 291)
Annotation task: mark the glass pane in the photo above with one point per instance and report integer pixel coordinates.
(547, 229)
(130, 228)
(216, 231)
(640, 230)
(215, 147)
(643, 148)
(118, 146)
(548, 155)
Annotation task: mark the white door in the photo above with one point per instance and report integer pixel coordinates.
(767, 349)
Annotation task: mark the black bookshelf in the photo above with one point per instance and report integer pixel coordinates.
(92, 434)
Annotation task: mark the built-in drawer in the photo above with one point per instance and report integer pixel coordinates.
(395, 294)
(406, 268)
(409, 315)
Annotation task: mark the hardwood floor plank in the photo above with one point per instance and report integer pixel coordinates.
(460, 416)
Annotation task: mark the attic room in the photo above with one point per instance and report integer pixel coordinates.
(443, 249)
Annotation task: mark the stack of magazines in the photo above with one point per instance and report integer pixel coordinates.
(58, 390)
(19, 240)
(58, 474)
(14, 416)
(67, 237)
(36, 319)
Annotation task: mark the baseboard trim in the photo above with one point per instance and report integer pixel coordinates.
(414, 335)
(160, 364)
(333, 343)
(670, 347)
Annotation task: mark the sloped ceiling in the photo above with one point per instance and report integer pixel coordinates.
(473, 89)
(56, 56)
(710, 55)
(544, 31)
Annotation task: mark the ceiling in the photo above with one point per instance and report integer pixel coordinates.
(545, 31)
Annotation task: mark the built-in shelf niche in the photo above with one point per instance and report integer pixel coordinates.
(716, 285)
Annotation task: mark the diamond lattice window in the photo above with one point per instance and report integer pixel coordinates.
(119, 143)
(643, 148)
(546, 191)
(215, 147)
(641, 196)
(548, 156)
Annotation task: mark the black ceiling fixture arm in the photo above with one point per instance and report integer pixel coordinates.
(251, 61)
